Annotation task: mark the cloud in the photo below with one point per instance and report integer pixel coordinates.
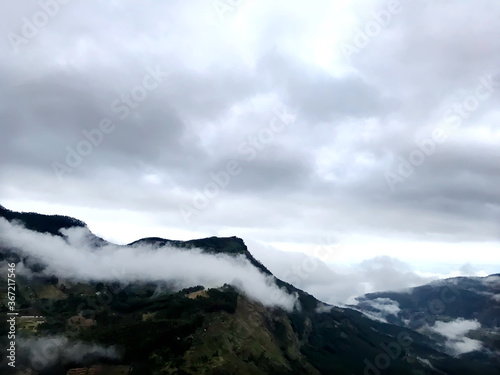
(76, 258)
(492, 280)
(41, 353)
(378, 309)
(455, 329)
(386, 306)
(337, 284)
(355, 118)
(464, 345)
(455, 333)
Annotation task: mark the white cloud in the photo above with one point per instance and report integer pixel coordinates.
(492, 280)
(76, 259)
(455, 333)
(464, 345)
(337, 284)
(386, 306)
(44, 352)
(383, 306)
(455, 329)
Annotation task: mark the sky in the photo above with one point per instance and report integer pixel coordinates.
(367, 128)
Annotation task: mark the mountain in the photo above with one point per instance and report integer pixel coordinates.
(145, 327)
(41, 223)
(211, 245)
(461, 314)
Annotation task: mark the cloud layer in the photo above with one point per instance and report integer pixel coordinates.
(41, 353)
(75, 258)
(338, 284)
(455, 333)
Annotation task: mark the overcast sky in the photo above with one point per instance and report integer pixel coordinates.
(371, 127)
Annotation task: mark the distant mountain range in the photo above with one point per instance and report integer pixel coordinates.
(462, 314)
(66, 326)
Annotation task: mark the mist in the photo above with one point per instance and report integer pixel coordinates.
(77, 258)
(338, 284)
(455, 332)
(45, 352)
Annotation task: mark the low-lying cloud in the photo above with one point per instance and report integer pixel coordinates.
(455, 333)
(386, 306)
(41, 353)
(338, 284)
(75, 258)
(378, 309)
(456, 329)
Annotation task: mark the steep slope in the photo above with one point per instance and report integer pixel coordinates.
(157, 330)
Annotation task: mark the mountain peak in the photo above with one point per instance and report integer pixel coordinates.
(233, 246)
